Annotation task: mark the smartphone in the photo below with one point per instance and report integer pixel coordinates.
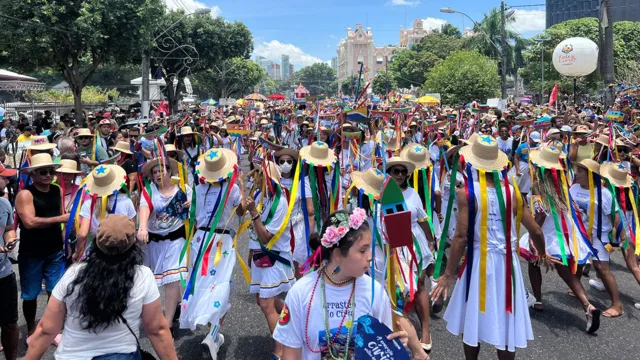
(12, 245)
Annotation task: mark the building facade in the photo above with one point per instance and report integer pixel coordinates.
(284, 63)
(291, 70)
(563, 10)
(358, 47)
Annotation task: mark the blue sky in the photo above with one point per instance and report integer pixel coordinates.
(309, 31)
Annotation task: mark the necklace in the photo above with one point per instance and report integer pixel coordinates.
(350, 309)
(334, 282)
(350, 305)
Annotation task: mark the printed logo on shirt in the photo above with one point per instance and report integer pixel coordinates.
(285, 316)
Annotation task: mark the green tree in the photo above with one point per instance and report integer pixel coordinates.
(464, 76)
(268, 86)
(409, 66)
(195, 44)
(75, 37)
(451, 30)
(349, 85)
(379, 83)
(317, 78)
(233, 77)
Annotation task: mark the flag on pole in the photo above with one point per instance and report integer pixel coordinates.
(554, 95)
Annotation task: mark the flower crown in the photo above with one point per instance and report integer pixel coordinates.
(340, 225)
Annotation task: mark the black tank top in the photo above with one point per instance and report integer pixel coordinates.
(44, 241)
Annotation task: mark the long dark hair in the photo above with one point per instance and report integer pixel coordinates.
(102, 287)
(344, 244)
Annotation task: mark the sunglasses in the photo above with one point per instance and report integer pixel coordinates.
(282, 162)
(397, 171)
(45, 172)
(85, 137)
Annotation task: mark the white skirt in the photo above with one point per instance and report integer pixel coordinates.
(505, 331)
(300, 253)
(211, 296)
(163, 257)
(422, 247)
(524, 181)
(270, 282)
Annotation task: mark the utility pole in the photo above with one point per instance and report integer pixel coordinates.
(607, 23)
(145, 85)
(503, 46)
(386, 73)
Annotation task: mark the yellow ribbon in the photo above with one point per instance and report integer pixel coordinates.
(519, 209)
(292, 196)
(574, 241)
(484, 214)
(635, 216)
(592, 200)
(103, 206)
(415, 180)
(391, 279)
(345, 199)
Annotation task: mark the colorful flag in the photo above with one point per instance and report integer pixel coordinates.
(554, 95)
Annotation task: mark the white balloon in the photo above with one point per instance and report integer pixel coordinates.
(576, 57)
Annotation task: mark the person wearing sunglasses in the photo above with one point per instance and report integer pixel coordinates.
(41, 256)
(85, 149)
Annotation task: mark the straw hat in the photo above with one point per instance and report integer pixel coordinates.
(40, 143)
(83, 132)
(187, 130)
(264, 121)
(256, 135)
(369, 181)
(397, 160)
(349, 128)
(417, 154)
(603, 139)
(149, 165)
(582, 129)
(41, 160)
(325, 130)
(617, 174)
(391, 141)
(483, 154)
(216, 164)
(273, 172)
(171, 147)
(287, 151)
(123, 147)
(69, 167)
(547, 157)
(105, 179)
(318, 153)
(590, 165)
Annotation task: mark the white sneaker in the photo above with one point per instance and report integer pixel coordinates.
(213, 345)
(597, 284)
(531, 300)
(637, 305)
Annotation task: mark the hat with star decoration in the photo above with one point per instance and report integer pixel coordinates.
(216, 165)
(483, 154)
(617, 174)
(105, 179)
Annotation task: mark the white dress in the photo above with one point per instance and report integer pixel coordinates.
(272, 281)
(163, 257)
(301, 251)
(505, 331)
(211, 295)
(421, 245)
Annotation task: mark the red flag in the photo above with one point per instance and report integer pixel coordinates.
(554, 95)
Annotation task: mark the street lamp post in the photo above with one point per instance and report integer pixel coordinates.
(146, 103)
(503, 37)
(541, 42)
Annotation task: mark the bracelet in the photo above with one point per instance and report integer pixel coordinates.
(255, 217)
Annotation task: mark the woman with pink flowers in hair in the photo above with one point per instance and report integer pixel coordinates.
(321, 310)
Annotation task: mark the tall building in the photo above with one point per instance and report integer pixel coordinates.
(284, 63)
(358, 47)
(334, 63)
(563, 10)
(277, 74)
(291, 70)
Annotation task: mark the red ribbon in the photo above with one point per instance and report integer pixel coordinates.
(507, 235)
(565, 229)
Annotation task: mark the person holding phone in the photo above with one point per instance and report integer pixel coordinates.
(8, 283)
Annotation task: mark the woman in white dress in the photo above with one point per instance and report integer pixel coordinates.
(287, 160)
(479, 308)
(164, 207)
(565, 248)
(399, 169)
(271, 258)
(207, 296)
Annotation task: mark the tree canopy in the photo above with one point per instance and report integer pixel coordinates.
(463, 76)
(75, 37)
(233, 77)
(379, 83)
(317, 78)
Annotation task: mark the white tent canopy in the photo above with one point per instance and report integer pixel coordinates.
(11, 81)
(10, 75)
(156, 86)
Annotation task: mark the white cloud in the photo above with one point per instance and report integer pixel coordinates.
(404, 3)
(273, 50)
(190, 6)
(433, 23)
(529, 20)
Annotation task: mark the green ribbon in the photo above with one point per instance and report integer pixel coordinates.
(556, 222)
(427, 199)
(447, 218)
(314, 193)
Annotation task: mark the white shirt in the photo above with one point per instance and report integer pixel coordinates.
(124, 206)
(505, 145)
(206, 197)
(288, 183)
(79, 344)
(284, 242)
(290, 330)
(366, 152)
(160, 222)
(582, 198)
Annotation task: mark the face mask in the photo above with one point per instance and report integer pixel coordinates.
(286, 168)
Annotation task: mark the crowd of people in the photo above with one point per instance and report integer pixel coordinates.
(106, 216)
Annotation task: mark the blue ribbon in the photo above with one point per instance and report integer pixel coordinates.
(471, 228)
(305, 211)
(72, 216)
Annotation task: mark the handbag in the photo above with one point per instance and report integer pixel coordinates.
(144, 354)
(262, 259)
